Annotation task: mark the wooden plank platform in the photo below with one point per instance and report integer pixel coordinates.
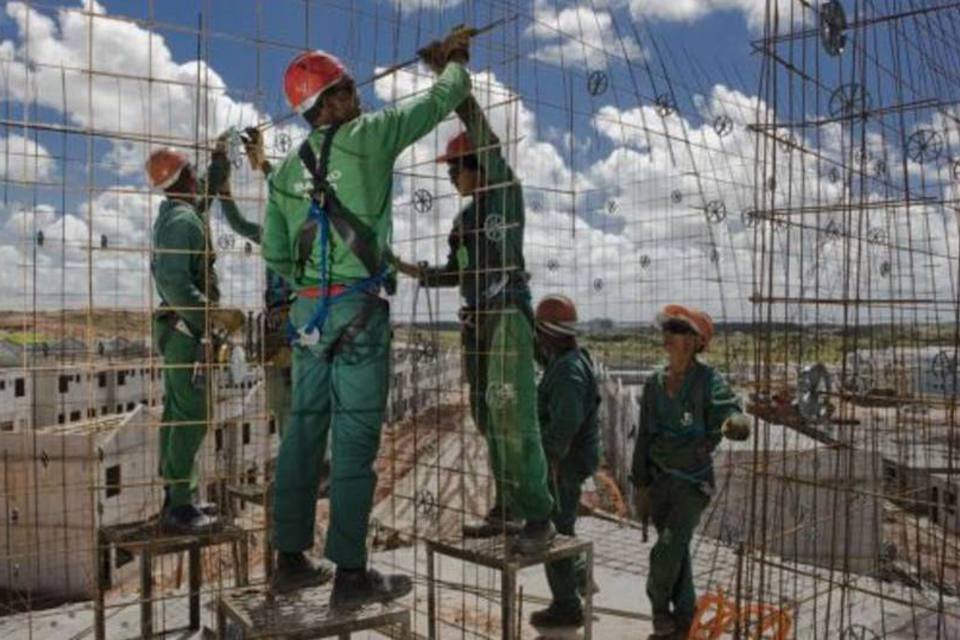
(303, 614)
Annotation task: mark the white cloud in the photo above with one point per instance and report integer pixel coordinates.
(690, 10)
(580, 36)
(23, 160)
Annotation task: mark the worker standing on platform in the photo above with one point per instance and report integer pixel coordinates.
(327, 232)
(567, 401)
(486, 261)
(183, 271)
(686, 409)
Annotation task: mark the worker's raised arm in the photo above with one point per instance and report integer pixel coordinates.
(395, 128)
(485, 141)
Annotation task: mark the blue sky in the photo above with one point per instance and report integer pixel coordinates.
(617, 184)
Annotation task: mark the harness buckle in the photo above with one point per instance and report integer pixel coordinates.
(309, 337)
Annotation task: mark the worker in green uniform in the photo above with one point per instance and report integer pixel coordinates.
(486, 261)
(567, 401)
(686, 409)
(183, 271)
(327, 232)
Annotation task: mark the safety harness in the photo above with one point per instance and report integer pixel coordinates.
(327, 211)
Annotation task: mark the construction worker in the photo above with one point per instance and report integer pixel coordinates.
(567, 401)
(183, 272)
(685, 410)
(486, 261)
(327, 232)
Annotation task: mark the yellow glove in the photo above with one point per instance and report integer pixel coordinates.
(736, 427)
(226, 320)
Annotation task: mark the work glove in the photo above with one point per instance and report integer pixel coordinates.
(454, 48)
(226, 320)
(253, 147)
(736, 427)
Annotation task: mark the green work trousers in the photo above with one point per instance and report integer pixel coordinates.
(343, 391)
(184, 421)
(476, 337)
(513, 432)
(566, 574)
(675, 508)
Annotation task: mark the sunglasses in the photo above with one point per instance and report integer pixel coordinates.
(453, 170)
(678, 327)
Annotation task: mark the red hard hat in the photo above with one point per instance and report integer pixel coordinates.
(557, 315)
(164, 167)
(308, 76)
(457, 147)
(699, 321)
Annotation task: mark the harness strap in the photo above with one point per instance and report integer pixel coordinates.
(357, 236)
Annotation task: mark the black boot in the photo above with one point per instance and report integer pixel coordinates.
(536, 537)
(683, 625)
(495, 523)
(553, 617)
(297, 571)
(664, 628)
(188, 520)
(353, 588)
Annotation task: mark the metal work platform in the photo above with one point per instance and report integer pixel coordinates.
(303, 614)
(495, 553)
(149, 541)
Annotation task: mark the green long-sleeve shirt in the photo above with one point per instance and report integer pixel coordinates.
(486, 241)
(679, 434)
(238, 223)
(567, 399)
(183, 263)
(361, 171)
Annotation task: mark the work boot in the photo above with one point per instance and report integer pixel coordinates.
(683, 625)
(494, 523)
(297, 571)
(664, 628)
(553, 617)
(353, 588)
(536, 537)
(188, 520)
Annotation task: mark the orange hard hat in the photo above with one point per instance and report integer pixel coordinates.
(164, 167)
(308, 76)
(557, 315)
(699, 321)
(457, 147)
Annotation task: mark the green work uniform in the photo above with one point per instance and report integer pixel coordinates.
(486, 261)
(673, 460)
(345, 388)
(567, 399)
(183, 271)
